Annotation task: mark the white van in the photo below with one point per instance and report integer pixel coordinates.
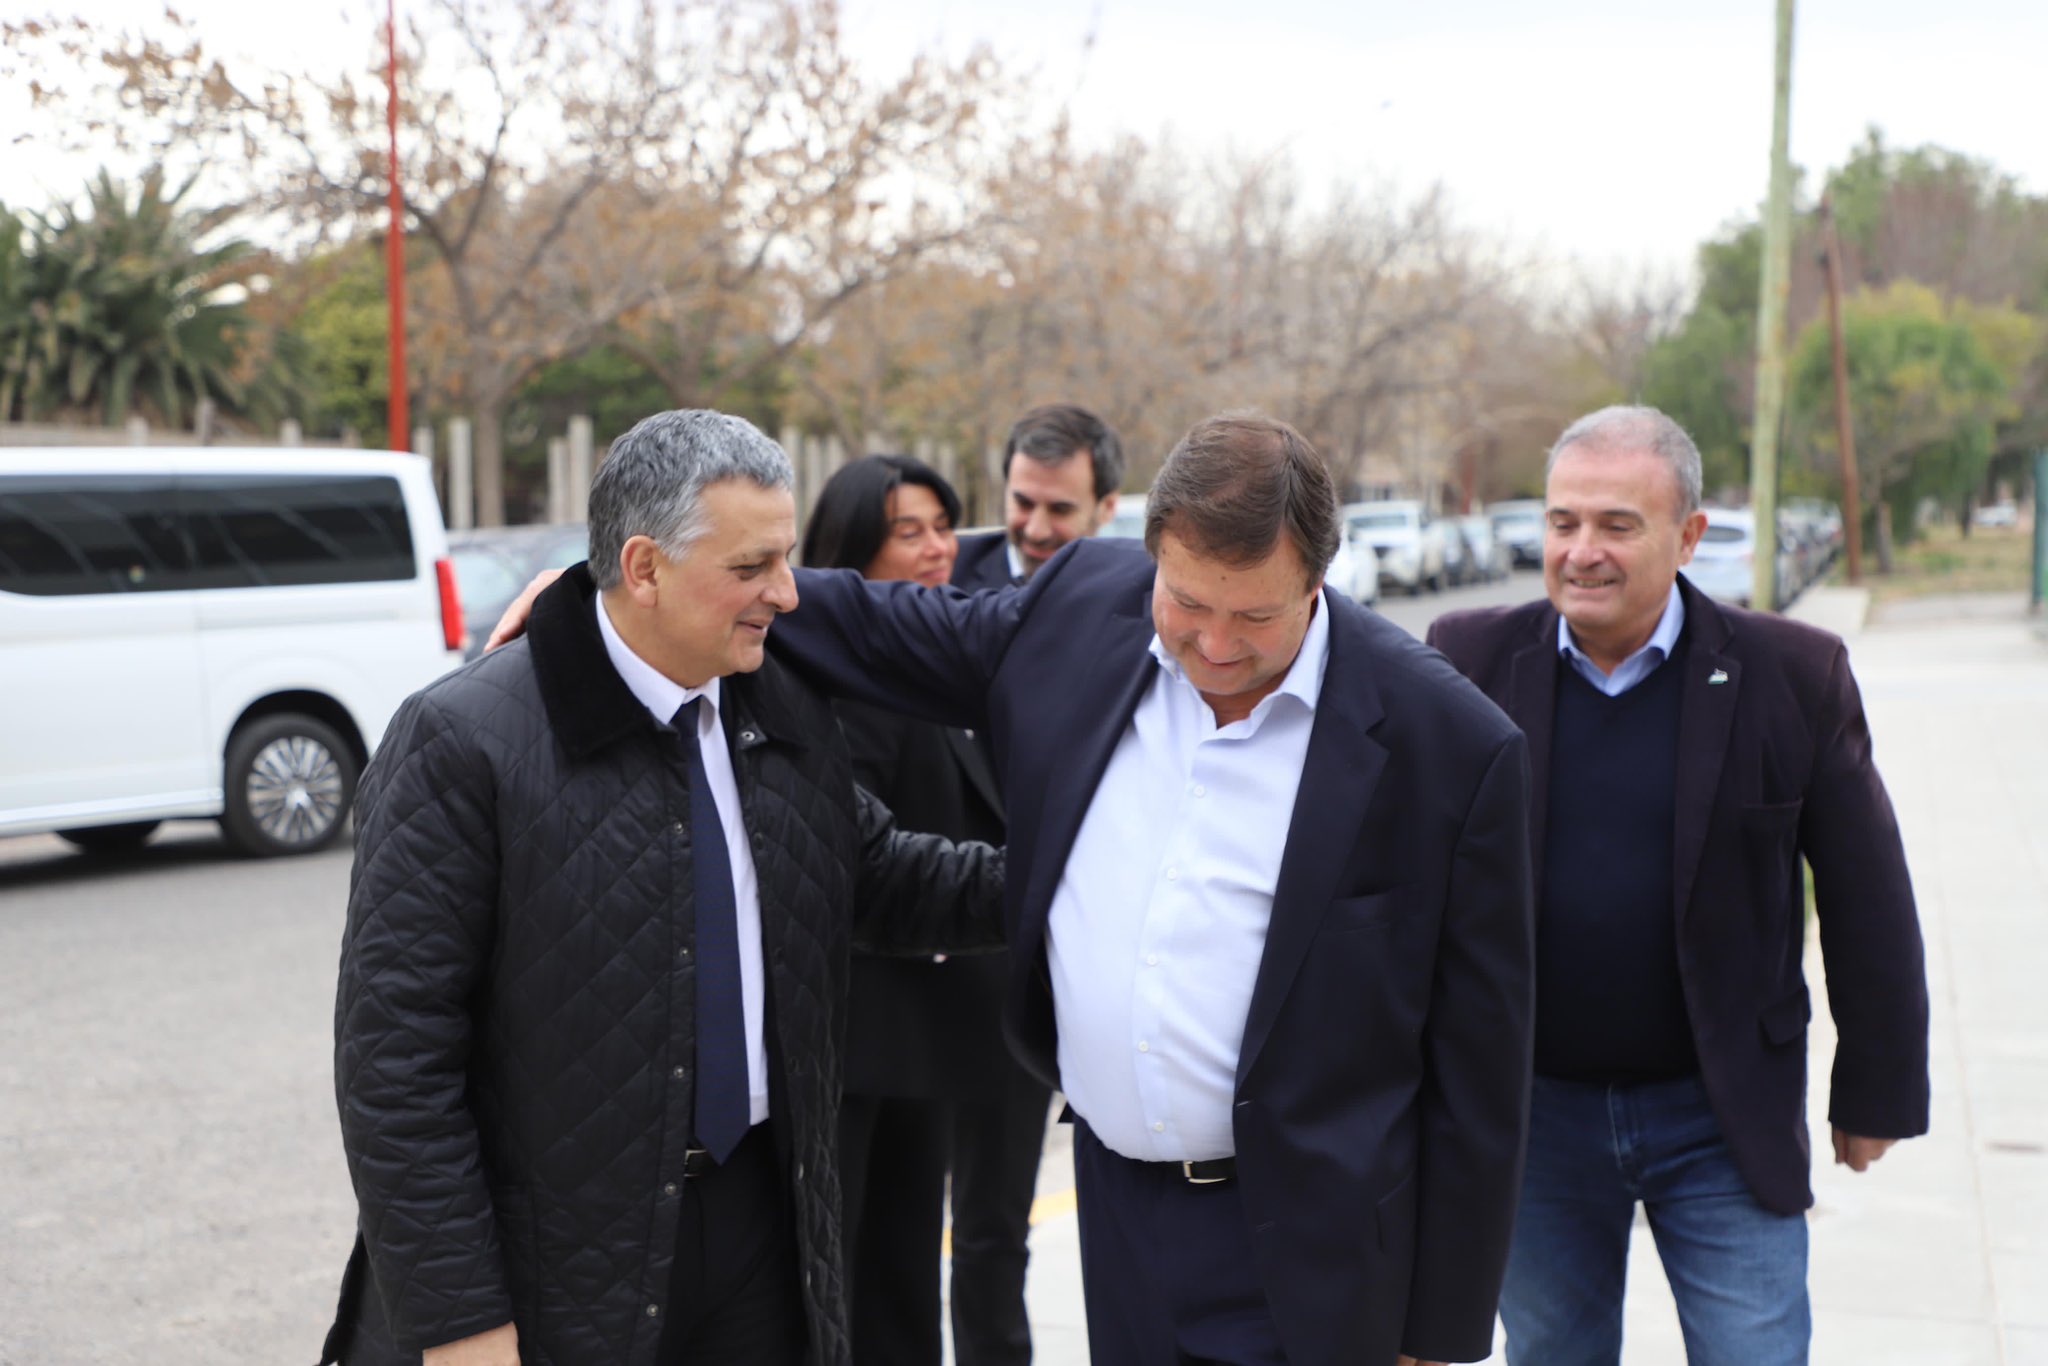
(210, 633)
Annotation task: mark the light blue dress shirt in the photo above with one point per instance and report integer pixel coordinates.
(1637, 666)
(1159, 919)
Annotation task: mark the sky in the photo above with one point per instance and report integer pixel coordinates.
(1616, 134)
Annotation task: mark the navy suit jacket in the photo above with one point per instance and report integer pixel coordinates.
(1382, 1084)
(1773, 764)
(983, 561)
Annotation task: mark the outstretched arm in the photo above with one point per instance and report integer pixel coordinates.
(924, 894)
(930, 653)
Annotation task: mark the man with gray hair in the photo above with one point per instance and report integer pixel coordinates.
(1687, 756)
(593, 980)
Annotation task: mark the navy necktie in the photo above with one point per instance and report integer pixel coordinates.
(723, 1110)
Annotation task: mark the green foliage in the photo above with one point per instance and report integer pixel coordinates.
(1732, 271)
(120, 307)
(1700, 373)
(342, 337)
(1929, 382)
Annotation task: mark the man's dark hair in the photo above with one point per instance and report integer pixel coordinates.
(850, 524)
(1053, 433)
(1234, 484)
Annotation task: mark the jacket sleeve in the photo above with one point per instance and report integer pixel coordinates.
(1478, 1044)
(924, 652)
(418, 938)
(1869, 926)
(924, 894)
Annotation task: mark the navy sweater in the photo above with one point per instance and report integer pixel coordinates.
(1609, 1003)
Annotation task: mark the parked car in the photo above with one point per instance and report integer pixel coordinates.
(1489, 556)
(1363, 580)
(1408, 541)
(209, 633)
(493, 564)
(1723, 564)
(1458, 567)
(1997, 516)
(1518, 525)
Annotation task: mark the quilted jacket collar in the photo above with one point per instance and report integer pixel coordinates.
(590, 707)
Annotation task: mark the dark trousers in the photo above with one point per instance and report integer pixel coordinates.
(996, 1147)
(892, 1172)
(1166, 1267)
(734, 1290)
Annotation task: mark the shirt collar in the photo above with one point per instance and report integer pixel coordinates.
(1661, 640)
(1016, 558)
(1304, 679)
(660, 694)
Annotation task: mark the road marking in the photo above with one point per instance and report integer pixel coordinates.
(1058, 1205)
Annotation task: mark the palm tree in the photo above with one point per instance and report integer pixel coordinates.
(120, 306)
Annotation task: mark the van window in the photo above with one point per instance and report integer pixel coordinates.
(65, 536)
(248, 532)
(115, 534)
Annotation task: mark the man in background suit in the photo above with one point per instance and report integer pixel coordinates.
(1062, 467)
(1687, 755)
(1270, 929)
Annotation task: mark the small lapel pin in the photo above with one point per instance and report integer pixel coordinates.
(1718, 676)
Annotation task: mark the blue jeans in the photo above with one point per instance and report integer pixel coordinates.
(1737, 1271)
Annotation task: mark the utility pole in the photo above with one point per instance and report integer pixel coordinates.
(1845, 429)
(398, 396)
(1770, 331)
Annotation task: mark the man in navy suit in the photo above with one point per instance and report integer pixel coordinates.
(1270, 914)
(1687, 756)
(1062, 467)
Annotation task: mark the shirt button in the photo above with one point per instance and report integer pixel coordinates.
(669, 1189)
(680, 1072)
(1144, 1047)
(677, 827)
(1151, 960)
(653, 1311)
(1201, 791)
(683, 952)
(1173, 875)
(1158, 1128)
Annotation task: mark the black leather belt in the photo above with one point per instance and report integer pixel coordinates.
(1208, 1172)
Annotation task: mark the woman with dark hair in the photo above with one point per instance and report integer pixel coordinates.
(890, 517)
(921, 1034)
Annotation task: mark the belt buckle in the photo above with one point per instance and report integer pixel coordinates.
(696, 1161)
(1187, 1169)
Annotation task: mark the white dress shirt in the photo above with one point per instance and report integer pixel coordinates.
(1637, 666)
(1016, 559)
(1159, 920)
(662, 695)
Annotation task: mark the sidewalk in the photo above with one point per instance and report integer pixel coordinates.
(1940, 1253)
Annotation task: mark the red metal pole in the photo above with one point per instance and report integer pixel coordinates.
(394, 255)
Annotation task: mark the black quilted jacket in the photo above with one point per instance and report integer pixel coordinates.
(513, 1031)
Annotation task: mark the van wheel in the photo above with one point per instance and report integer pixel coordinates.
(289, 781)
(111, 839)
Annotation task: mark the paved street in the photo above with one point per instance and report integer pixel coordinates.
(171, 1189)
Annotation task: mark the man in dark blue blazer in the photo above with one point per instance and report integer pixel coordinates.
(1062, 467)
(1687, 756)
(1270, 914)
